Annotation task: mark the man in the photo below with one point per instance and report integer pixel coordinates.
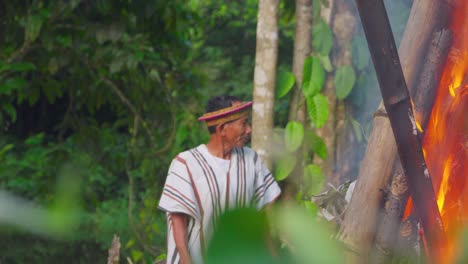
(205, 181)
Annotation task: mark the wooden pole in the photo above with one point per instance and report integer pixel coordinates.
(397, 102)
(431, 74)
(359, 225)
(397, 194)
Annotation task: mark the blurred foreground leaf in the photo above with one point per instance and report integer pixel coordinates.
(59, 220)
(308, 240)
(240, 238)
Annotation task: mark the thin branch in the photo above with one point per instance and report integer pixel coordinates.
(18, 54)
(127, 102)
(27, 44)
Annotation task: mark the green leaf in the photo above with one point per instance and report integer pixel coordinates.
(35, 140)
(136, 255)
(284, 83)
(306, 71)
(313, 77)
(11, 85)
(359, 52)
(284, 166)
(53, 65)
(310, 239)
(318, 146)
(317, 108)
(5, 149)
(344, 81)
(18, 67)
(310, 207)
(130, 243)
(34, 96)
(33, 27)
(322, 38)
(293, 135)
(327, 65)
(357, 129)
(239, 238)
(7, 107)
(313, 178)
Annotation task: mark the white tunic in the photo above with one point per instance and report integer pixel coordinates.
(203, 186)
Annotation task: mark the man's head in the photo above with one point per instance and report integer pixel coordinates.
(228, 117)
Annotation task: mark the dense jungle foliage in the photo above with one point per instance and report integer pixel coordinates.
(96, 98)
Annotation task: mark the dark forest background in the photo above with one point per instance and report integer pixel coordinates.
(97, 97)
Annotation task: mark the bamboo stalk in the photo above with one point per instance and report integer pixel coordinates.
(397, 102)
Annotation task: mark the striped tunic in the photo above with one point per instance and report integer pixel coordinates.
(200, 186)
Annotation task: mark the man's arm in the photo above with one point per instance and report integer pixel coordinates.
(179, 225)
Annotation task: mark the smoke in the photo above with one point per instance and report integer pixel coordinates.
(365, 96)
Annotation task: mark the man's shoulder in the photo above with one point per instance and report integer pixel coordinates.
(188, 153)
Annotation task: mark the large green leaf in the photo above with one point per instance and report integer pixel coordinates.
(322, 38)
(284, 83)
(12, 84)
(35, 139)
(293, 135)
(312, 242)
(317, 107)
(10, 109)
(33, 27)
(344, 81)
(18, 67)
(313, 77)
(318, 146)
(284, 166)
(359, 52)
(313, 178)
(306, 71)
(240, 238)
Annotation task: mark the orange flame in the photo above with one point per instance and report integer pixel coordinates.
(446, 140)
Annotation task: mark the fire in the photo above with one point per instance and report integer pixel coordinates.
(445, 142)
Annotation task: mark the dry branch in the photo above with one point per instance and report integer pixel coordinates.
(114, 251)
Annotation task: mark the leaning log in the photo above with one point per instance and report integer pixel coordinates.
(426, 88)
(358, 228)
(397, 194)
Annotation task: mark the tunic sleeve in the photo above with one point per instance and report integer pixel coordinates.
(266, 188)
(178, 195)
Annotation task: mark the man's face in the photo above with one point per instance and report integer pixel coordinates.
(237, 132)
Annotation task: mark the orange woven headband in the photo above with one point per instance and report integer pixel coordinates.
(227, 114)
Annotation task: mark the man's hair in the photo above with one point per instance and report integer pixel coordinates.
(217, 103)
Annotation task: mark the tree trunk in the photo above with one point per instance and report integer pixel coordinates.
(334, 132)
(302, 49)
(297, 110)
(265, 78)
(358, 228)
